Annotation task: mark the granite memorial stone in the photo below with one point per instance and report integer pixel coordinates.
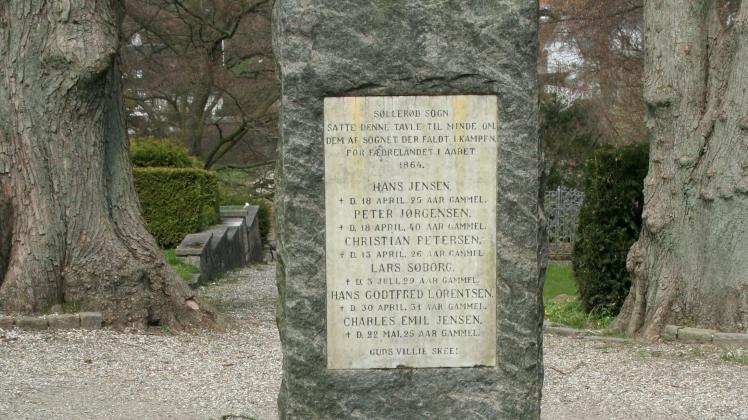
(409, 225)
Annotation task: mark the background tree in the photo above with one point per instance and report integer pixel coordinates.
(71, 225)
(600, 46)
(201, 71)
(690, 265)
(569, 138)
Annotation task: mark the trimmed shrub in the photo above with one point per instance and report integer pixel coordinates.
(151, 152)
(263, 215)
(177, 201)
(609, 223)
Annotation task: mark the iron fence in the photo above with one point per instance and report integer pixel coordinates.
(562, 207)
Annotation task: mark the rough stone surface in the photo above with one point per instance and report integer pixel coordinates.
(6, 322)
(64, 321)
(329, 48)
(193, 244)
(31, 323)
(690, 335)
(224, 247)
(731, 339)
(90, 320)
(670, 333)
(254, 241)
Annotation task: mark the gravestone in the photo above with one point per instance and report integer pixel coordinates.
(408, 216)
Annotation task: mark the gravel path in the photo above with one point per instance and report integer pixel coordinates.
(109, 375)
(592, 380)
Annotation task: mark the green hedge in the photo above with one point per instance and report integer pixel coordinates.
(151, 152)
(177, 201)
(609, 223)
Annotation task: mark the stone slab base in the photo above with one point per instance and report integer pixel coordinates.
(84, 320)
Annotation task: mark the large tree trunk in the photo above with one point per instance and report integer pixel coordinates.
(690, 265)
(70, 224)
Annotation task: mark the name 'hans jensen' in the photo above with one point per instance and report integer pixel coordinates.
(411, 186)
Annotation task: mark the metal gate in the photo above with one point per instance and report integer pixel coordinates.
(562, 212)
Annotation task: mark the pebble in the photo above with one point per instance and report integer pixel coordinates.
(105, 374)
(587, 379)
(209, 375)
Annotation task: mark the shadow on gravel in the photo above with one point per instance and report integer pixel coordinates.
(248, 294)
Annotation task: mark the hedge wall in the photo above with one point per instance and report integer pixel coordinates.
(177, 201)
(609, 223)
(152, 152)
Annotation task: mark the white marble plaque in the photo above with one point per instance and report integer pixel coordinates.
(410, 196)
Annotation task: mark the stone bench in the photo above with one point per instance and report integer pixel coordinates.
(232, 244)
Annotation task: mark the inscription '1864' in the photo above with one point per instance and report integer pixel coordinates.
(410, 195)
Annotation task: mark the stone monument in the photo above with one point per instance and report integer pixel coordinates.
(408, 217)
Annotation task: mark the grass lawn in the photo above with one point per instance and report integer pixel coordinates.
(559, 280)
(185, 271)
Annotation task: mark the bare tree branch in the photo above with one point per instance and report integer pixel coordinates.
(210, 62)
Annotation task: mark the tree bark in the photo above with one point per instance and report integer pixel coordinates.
(690, 265)
(71, 229)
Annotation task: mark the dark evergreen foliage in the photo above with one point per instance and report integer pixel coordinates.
(609, 223)
(176, 201)
(151, 152)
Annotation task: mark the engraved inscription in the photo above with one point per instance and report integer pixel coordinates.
(410, 196)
